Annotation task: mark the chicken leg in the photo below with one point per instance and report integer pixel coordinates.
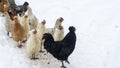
(20, 44)
(34, 57)
(41, 48)
(8, 33)
(63, 66)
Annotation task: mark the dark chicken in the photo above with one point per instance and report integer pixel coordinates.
(14, 10)
(22, 8)
(17, 9)
(61, 49)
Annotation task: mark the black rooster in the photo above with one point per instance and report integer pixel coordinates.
(61, 49)
(22, 8)
(19, 9)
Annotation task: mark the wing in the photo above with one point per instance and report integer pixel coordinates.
(65, 51)
(57, 47)
(68, 46)
(53, 47)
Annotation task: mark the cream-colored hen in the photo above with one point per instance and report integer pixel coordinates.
(8, 23)
(25, 24)
(33, 45)
(58, 34)
(57, 24)
(33, 21)
(41, 30)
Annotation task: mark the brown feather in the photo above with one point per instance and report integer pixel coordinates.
(18, 32)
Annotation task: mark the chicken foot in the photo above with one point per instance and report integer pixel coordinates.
(67, 61)
(34, 57)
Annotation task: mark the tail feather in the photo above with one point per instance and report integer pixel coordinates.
(72, 29)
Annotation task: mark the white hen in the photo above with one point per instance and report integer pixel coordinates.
(33, 21)
(59, 34)
(8, 22)
(57, 24)
(33, 45)
(41, 30)
(25, 24)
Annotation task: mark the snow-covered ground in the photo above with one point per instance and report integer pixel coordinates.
(97, 25)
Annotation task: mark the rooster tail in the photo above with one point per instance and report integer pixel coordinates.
(26, 4)
(72, 29)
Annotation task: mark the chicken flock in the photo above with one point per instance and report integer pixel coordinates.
(26, 28)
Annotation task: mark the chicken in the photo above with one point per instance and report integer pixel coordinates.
(61, 49)
(22, 8)
(6, 9)
(58, 34)
(41, 30)
(23, 19)
(33, 45)
(8, 23)
(12, 5)
(25, 24)
(57, 24)
(18, 9)
(33, 21)
(18, 32)
(14, 9)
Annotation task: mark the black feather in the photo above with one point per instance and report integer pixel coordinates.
(25, 4)
(22, 8)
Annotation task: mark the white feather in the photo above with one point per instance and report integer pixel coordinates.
(33, 21)
(8, 22)
(58, 35)
(33, 45)
(41, 30)
(52, 30)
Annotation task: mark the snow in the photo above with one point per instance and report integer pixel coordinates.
(97, 28)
